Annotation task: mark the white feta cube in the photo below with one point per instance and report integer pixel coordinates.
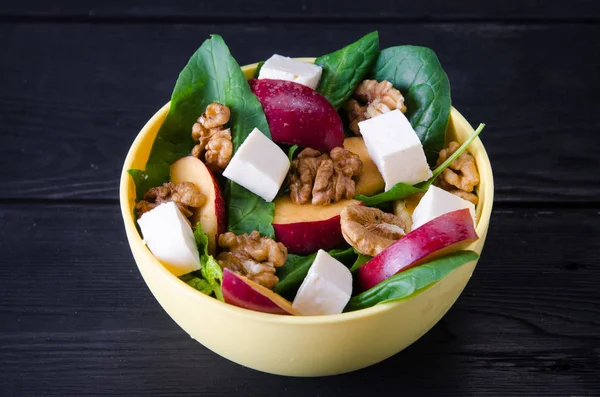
(326, 289)
(437, 202)
(259, 165)
(395, 149)
(170, 238)
(283, 68)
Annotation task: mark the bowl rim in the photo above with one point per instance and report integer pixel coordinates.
(135, 239)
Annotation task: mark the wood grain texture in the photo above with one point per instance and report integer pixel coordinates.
(75, 317)
(305, 10)
(73, 97)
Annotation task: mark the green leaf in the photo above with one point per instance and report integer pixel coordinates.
(418, 74)
(258, 68)
(403, 285)
(360, 260)
(291, 152)
(399, 191)
(211, 75)
(296, 268)
(208, 280)
(248, 212)
(200, 284)
(344, 69)
(213, 274)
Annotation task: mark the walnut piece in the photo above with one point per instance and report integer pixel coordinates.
(461, 176)
(376, 98)
(214, 140)
(327, 178)
(402, 212)
(370, 230)
(252, 256)
(184, 195)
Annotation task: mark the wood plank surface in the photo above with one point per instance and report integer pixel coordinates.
(76, 318)
(73, 96)
(305, 10)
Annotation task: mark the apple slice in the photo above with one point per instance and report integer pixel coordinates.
(299, 115)
(307, 228)
(212, 215)
(369, 181)
(434, 238)
(242, 292)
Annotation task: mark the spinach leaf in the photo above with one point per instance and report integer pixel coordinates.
(247, 212)
(258, 68)
(211, 75)
(418, 74)
(401, 190)
(360, 260)
(291, 152)
(405, 284)
(210, 276)
(345, 68)
(398, 192)
(296, 268)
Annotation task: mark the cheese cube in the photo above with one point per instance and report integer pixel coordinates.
(259, 165)
(395, 149)
(283, 68)
(326, 289)
(169, 236)
(437, 202)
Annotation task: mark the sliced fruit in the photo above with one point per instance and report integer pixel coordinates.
(306, 228)
(435, 238)
(212, 215)
(242, 292)
(369, 181)
(298, 115)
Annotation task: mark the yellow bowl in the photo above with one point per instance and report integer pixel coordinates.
(301, 346)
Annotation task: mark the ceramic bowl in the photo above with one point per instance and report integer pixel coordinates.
(301, 346)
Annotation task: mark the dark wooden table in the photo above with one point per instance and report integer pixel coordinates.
(77, 82)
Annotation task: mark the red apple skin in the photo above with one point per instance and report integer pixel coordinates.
(298, 115)
(242, 292)
(437, 234)
(213, 214)
(303, 238)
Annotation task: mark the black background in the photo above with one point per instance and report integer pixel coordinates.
(78, 80)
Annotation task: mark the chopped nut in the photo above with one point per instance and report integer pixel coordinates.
(370, 230)
(378, 98)
(214, 141)
(327, 178)
(461, 176)
(184, 195)
(252, 256)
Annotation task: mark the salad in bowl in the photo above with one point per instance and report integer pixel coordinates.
(307, 188)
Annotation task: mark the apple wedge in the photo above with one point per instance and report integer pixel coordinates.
(436, 237)
(213, 214)
(307, 228)
(299, 115)
(242, 292)
(369, 182)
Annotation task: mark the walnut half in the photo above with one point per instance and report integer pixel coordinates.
(372, 98)
(370, 230)
(461, 176)
(252, 256)
(184, 195)
(214, 140)
(325, 178)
